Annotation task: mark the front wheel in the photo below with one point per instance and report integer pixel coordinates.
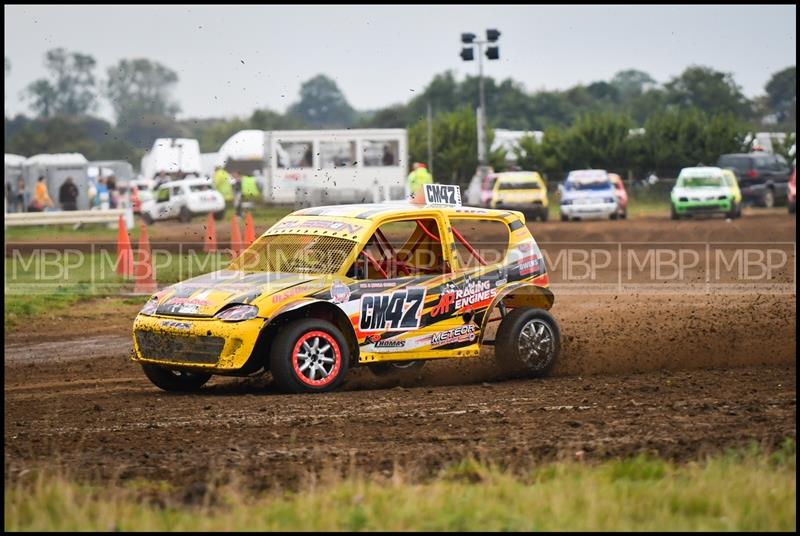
(175, 380)
(219, 215)
(309, 356)
(545, 214)
(528, 338)
(674, 213)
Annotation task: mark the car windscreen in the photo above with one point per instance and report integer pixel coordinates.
(518, 185)
(199, 187)
(596, 185)
(739, 163)
(295, 253)
(700, 182)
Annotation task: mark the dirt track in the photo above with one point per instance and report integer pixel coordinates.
(679, 371)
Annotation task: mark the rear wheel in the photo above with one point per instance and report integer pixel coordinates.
(220, 215)
(309, 356)
(147, 218)
(544, 215)
(528, 338)
(175, 380)
(185, 215)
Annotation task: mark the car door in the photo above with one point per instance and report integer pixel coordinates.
(405, 271)
(162, 199)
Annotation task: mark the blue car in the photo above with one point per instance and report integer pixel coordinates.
(588, 193)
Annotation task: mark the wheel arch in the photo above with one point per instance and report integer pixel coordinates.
(519, 295)
(308, 308)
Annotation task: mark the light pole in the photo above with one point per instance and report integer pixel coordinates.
(492, 53)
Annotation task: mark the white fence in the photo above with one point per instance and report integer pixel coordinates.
(63, 217)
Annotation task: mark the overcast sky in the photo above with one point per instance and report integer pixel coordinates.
(233, 59)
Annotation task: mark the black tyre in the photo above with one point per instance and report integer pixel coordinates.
(530, 339)
(734, 212)
(309, 356)
(674, 213)
(175, 380)
(219, 215)
(386, 369)
(564, 217)
(147, 218)
(624, 214)
(544, 215)
(614, 216)
(185, 215)
(792, 207)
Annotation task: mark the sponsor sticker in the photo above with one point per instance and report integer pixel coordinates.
(399, 311)
(340, 292)
(329, 225)
(390, 343)
(460, 334)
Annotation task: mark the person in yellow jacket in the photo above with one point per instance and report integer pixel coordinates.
(222, 183)
(418, 176)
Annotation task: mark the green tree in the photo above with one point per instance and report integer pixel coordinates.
(323, 105)
(711, 91)
(599, 141)
(782, 94)
(631, 83)
(70, 91)
(139, 87)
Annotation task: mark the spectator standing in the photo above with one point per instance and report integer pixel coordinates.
(68, 195)
(113, 193)
(417, 178)
(103, 199)
(21, 195)
(236, 187)
(41, 197)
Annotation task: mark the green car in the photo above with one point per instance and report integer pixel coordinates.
(706, 190)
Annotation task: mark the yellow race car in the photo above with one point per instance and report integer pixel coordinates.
(387, 286)
(521, 190)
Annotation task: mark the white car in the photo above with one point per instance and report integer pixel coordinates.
(183, 199)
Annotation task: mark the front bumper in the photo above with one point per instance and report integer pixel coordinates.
(703, 207)
(589, 210)
(205, 344)
(529, 207)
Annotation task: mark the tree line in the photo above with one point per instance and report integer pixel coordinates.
(691, 118)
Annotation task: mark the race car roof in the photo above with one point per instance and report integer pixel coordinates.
(700, 171)
(353, 222)
(367, 211)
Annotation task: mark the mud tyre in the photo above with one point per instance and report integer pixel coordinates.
(309, 355)
(175, 380)
(185, 215)
(529, 340)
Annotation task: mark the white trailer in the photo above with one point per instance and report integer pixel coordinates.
(176, 157)
(312, 167)
(55, 168)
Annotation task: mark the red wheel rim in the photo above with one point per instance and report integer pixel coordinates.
(316, 358)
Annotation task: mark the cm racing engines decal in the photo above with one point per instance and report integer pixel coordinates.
(471, 294)
(399, 311)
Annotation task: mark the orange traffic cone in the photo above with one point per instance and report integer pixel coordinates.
(144, 280)
(236, 237)
(249, 230)
(210, 243)
(124, 251)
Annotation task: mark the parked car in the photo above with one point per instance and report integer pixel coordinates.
(792, 195)
(763, 177)
(621, 193)
(183, 199)
(329, 288)
(705, 190)
(521, 190)
(588, 193)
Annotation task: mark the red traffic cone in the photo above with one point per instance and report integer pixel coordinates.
(249, 230)
(124, 251)
(236, 237)
(210, 243)
(144, 280)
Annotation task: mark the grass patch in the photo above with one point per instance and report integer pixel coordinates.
(48, 281)
(743, 491)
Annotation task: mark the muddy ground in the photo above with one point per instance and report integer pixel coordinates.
(675, 367)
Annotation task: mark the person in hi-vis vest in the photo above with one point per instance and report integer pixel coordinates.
(416, 179)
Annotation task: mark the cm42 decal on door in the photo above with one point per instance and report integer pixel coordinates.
(399, 311)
